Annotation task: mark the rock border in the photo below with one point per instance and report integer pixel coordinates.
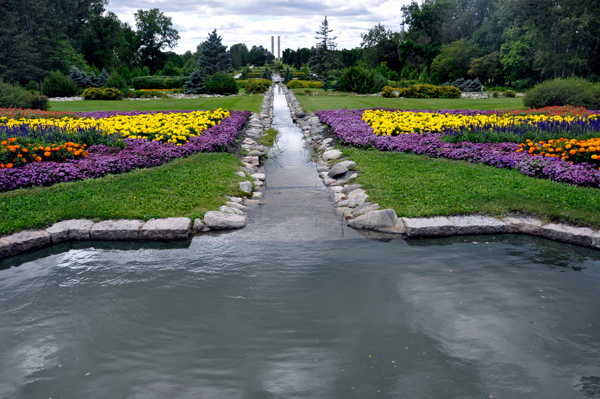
(352, 201)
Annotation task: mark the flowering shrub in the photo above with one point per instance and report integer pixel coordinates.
(582, 151)
(350, 127)
(138, 154)
(15, 152)
(19, 113)
(108, 93)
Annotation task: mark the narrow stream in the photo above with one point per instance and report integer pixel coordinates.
(296, 305)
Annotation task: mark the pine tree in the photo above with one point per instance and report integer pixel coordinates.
(103, 78)
(214, 55)
(195, 84)
(267, 74)
(287, 76)
(78, 76)
(322, 61)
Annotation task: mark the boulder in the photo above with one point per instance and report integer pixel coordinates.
(221, 221)
(4, 249)
(166, 229)
(228, 209)
(595, 241)
(116, 230)
(258, 176)
(246, 186)
(351, 187)
(337, 170)
(348, 164)
(362, 210)
(375, 219)
(198, 225)
(236, 205)
(331, 155)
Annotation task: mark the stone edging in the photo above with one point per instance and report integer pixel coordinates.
(230, 216)
(351, 201)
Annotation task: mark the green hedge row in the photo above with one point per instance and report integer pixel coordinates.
(159, 82)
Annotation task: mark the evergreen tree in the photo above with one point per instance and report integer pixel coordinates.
(195, 84)
(323, 61)
(78, 76)
(287, 76)
(103, 78)
(267, 74)
(214, 55)
(91, 80)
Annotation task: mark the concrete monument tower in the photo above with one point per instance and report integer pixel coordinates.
(278, 47)
(273, 45)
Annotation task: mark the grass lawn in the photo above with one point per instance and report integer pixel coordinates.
(415, 186)
(315, 103)
(184, 187)
(238, 103)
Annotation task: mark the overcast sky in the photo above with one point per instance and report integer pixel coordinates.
(254, 21)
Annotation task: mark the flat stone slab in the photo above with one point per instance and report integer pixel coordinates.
(4, 249)
(348, 164)
(478, 224)
(429, 227)
(25, 241)
(351, 187)
(221, 221)
(363, 210)
(343, 211)
(331, 155)
(569, 234)
(166, 229)
(76, 229)
(595, 241)
(258, 176)
(246, 186)
(375, 220)
(251, 160)
(240, 174)
(337, 197)
(236, 205)
(237, 200)
(398, 228)
(116, 230)
(524, 225)
(229, 209)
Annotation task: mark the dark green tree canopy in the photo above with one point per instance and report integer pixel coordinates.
(323, 60)
(155, 31)
(214, 56)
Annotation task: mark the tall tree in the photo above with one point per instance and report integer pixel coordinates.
(214, 56)
(323, 60)
(257, 55)
(239, 55)
(381, 45)
(155, 31)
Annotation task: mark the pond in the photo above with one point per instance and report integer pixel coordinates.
(298, 305)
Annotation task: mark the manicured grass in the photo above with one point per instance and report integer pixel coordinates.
(315, 103)
(238, 103)
(416, 186)
(185, 187)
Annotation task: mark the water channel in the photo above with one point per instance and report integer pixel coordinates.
(297, 305)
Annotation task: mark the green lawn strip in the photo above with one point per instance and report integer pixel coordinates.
(238, 103)
(315, 103)
(184, 187)
(417, 186)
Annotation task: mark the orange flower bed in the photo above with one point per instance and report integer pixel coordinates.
(570, 150)
(15, 152)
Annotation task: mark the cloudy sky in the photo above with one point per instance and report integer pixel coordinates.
(254, 21)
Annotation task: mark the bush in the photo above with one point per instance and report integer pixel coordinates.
(116, 81)
(146, 94)
(495, 94)
(39, 102)
(467, 85)
(257, 86)
(95, 93)
(357, 80)
(159, 82)
(221, 83)
(429, 91)
(388, 92)
(58, 85)
(577, 92)
(510, 94)
(304, 84)
(15, 97)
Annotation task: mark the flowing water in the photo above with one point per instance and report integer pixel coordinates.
(297, 305)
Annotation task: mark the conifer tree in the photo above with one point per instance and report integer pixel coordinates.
(214, 55)
(287, 76)
(195, 84)
(322, 61)
(267, 74)
(103, 78)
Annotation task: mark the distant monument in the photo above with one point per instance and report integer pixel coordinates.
(278, 47)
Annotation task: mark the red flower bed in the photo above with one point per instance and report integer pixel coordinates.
(19, 113)
(566, 110)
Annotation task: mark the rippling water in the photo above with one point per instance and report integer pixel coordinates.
(297, 305)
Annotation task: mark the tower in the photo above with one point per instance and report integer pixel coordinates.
(278, 47)
(273, 45)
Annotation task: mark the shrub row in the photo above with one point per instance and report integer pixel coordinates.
(108, 93)
(15, 97)
(159, 82)
(422, 91)
(304, 84)
(577, 92)
(257, 86)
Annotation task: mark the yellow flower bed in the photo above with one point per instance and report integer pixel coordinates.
(174, 128)
(392, 123)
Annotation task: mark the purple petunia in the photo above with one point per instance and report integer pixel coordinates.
(352, 130)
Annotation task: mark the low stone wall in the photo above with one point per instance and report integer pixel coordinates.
(352, 202)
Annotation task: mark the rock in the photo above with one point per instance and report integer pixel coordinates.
(569, 234)
(327, 140)
(237, 200)
(322, 167)
(337, 197)
(595, 241)
(331, 155)
(336, 189)
(258, 176)
(255, 153)
(236, 206)
(229, 209)
(116, 230)
(398, 228)
(252, 202)
(221, 221)
(257, 195)
(523, 224)
(77, 229)
(357, 200)
(348, 164)
(258, 183)
(361, 210)
(329, 181)
(246, 186)
(300, 115)
(28, 240)
(240, 174)
(375, 219)
(252, 160)
(351, 187)
(248, 141)
(478, 224)
(337, 170)
(343, 211)
(166, 229)
(248, 170)
(198, 225)
(429, 227)
(4, 249)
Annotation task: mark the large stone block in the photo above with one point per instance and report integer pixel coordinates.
(523, 225)
(477, 224)
(25, 241)
(117, 230)
(331, 155)
(4, 249)
(429, 227)
(76, 229)
(246, 186)
(569, 234)
(596, 240)
(220, 220)
(166, 229)
(375, 219)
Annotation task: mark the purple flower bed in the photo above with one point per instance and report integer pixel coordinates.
(352, 130)
(108, 114)
(103, 160)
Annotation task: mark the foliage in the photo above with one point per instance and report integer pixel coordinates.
(257, 86)
(466, 85)
(575, 151)
(116, 81)
(381, 46)
(509, 94)
(158, 82)
(429, 91)
(267, 74)
(19, 113)
(221, 83)
(304, 84)
(214, 56)
(239, 55)
(12, 96)
(195, 83)
(17, 152)
(108, 93)
(453, 61)
(58, 85)
(572, 91)
(322, 60)
(155, 32)
(287, 76)
(488, 68)
(357, 80)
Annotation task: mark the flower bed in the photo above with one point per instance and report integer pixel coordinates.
(103, 160)
(350, 127)
(19, 113)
